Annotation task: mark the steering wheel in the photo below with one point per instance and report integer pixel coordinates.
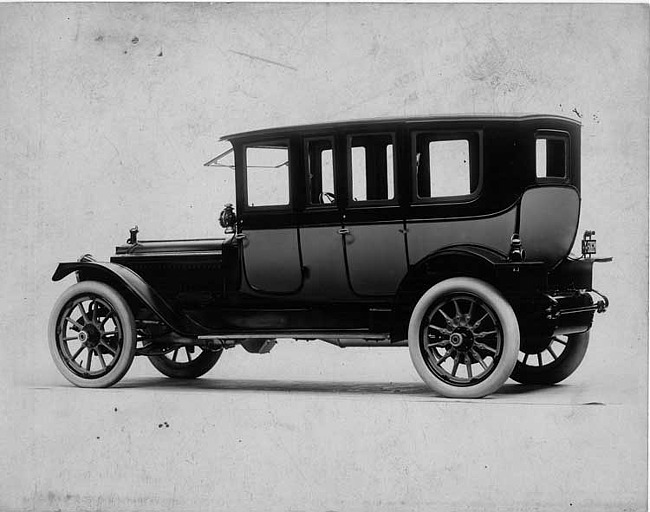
(327, 198)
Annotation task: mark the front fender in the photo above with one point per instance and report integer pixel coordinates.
(124, 279)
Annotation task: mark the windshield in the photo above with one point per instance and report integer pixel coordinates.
(225, 159)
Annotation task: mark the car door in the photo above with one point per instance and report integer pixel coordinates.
(268, 228)
(373, 223)
(320, 222)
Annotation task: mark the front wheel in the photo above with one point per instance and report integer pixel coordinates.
(463, 338)
(185, 362)
(92, 335)
(550, 360)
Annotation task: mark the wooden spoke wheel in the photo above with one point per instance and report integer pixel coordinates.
(550, 360)
(186, 362)
(92, 335)
(463, 338)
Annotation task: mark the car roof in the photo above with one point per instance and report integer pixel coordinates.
(369, 123)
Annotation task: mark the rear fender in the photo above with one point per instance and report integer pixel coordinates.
(125, 280)
(452, 261)
(481, 262)
(510, 278)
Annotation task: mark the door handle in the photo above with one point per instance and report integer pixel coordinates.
(344, 231)
(240, 236)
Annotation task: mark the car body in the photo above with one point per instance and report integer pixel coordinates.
(389, 232)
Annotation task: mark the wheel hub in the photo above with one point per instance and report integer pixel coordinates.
(89, 336)
(462, 339)
(456, 339)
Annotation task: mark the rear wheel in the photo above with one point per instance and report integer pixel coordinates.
(92, 335)
(550, 360)
(187, 362)
(463, 338)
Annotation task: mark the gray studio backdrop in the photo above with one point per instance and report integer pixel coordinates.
(107, 113)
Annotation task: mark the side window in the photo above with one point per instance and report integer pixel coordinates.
(267, 174)
(320, 176)
(552, 155)
(372, 172)
(445, 167)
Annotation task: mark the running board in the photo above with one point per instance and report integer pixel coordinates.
(356, 342)
(300, 336)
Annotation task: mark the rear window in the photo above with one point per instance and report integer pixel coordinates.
(446, 165)
(551, 155)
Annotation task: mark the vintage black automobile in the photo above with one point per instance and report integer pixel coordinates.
(447, 234)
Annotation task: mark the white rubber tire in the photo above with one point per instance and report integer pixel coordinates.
(509, 330)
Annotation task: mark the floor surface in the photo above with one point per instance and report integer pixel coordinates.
(313, 427)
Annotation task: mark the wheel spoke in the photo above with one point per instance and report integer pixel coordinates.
(479, 321)
(444, 357)
(483, 346)
(90, 359)
(484, 334)
(447, 317)
(70, 338)
(555, 338)
(539, 359)
(175, 355)
(455, 368)
(468, 364)
(480, 359)
(101, 359)
(189, 357)
(76, 354)
(551, 352)
(111, 342)
(93, 311)
(75, 323)
(83, 312)
(525, 358)
(471, 310)
(439, 329)
(456, 307)
(442, 343)
(106, 319)
(109, 348)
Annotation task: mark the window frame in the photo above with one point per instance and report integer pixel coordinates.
(308, 204)
(553, 135)
(474, 140)
(273, 207)
(365, 203)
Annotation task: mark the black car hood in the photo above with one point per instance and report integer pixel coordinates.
(171, 247)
